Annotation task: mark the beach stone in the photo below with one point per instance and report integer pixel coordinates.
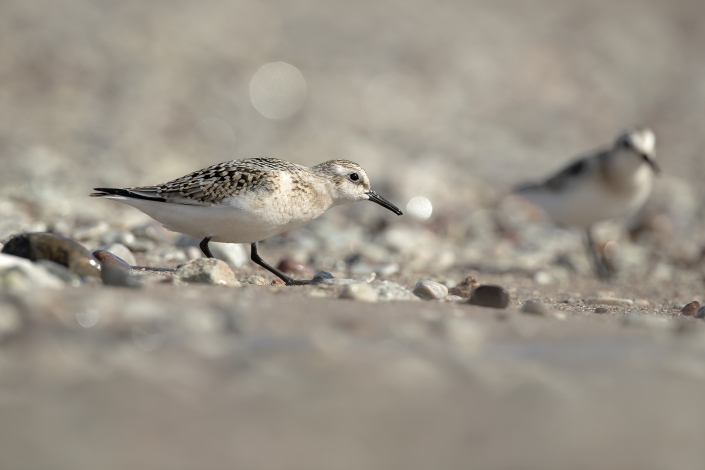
(360, 291)
(290, 265)
(121, 251)
(62, 272)
(62, 250)
(388, 290)
(489, 295)
(255, 280)
(465, 287)
(430, 290)
(536, 308)
(701, 313)
(236, 255)
(114, 275)
(207, 271)
(19, 274)
(602, 310)
(691, 309)
(107, 258)
(321, 276)
(613, 301)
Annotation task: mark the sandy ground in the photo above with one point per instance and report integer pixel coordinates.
(453, 101)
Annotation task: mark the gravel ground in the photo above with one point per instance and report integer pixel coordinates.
(168, 360)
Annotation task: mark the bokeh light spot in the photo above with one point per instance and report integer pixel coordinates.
(419, 208)
(278, 90)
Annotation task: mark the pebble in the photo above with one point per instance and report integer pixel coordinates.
(465, 288)
(208, 271)
(290, 265)
(691, 309)
(321, 276)
(234, 254)
(616, 302)
(536, 308)
(388, 290)
(62, 250)
(255, 280)
(602, 310)
(62, 272)
(109, 259)
(121, 251)
(20, 274)
(488, 295)
(430, 290)
(701, 313)
(361, 291)
(113, 275)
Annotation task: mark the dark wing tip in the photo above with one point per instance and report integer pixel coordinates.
(125, 193)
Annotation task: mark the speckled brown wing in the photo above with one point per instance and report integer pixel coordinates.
(217, 182)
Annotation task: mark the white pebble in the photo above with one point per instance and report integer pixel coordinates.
(610, 301)
(430, 290)
(362, 292)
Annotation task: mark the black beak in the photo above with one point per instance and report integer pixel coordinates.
(374, 197)
(652, 163)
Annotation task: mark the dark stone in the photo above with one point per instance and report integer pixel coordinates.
(602, 310)
(321, 276)
(107, 258)
(488, 295)
(61, 250)
(691, 309)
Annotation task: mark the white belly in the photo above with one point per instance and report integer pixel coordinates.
(224, 223)
(588, 201)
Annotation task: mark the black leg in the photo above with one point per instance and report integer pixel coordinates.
(601, 268)
(287, 280)
(204, 247)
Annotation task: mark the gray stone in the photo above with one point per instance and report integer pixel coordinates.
(430, 290)
(488, 295)
(536, 308)
(360, 291)
(388, 290)
(207, 271)
(615, 302)
(20, 274)
(121, 251)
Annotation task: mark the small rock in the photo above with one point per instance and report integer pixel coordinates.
(465, 288)
(235, 254)
(361, 291)
(602, 310)
(388, 290)
(610, 301)
(255, 280)
(277, 282)
(321, 276)
(22, 275)
(430, 290)
(701, 313)
(488, 295)
(62, 250)
(289, 265)
(536, 308)
(109, 259)
(543, 278)
(62, 272)
(208, 271)
(113, 275)
(691, 309)
(121, 251)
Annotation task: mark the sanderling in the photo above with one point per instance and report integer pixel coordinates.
(246, 201)
(605, 184)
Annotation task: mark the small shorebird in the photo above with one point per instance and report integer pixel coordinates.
(606, 184)
(246, 201)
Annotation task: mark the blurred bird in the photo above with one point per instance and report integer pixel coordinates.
(245, 201)
(609, 183)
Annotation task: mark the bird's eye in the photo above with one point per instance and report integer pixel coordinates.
(354, 176)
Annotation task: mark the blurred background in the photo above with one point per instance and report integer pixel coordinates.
(454, 101)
